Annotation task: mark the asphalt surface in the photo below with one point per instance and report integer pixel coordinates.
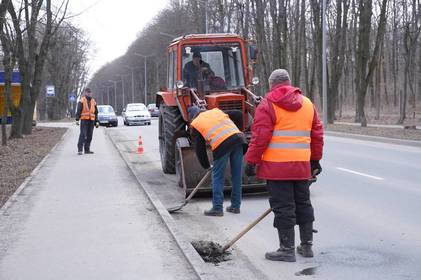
(85, 217)
(367, 205)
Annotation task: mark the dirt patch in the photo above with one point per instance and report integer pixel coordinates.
(21, 156)
(396, 133)
(211, 251)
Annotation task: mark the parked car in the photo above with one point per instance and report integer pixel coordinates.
(136, 113)
(107, 116)
(153, 110)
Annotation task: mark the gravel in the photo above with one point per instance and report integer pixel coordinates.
(21, 156)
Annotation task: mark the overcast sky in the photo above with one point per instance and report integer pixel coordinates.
(112, 25)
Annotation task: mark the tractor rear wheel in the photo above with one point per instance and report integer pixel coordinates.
(170, 122)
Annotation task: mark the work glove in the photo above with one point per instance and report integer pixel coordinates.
(250, 170)
(316, 168)
(96, 124)
(77, 122)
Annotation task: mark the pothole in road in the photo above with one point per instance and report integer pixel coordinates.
(307, 271)
(211, 251)
(357, 257)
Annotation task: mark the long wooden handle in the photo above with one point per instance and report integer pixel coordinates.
(198, 185)
(246, 229)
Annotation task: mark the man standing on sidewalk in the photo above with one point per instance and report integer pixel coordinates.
(286, 146)
(223, 132)
(87, 113)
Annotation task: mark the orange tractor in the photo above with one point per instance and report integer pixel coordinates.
(224, 82)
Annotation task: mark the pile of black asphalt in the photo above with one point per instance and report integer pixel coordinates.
(211, 251)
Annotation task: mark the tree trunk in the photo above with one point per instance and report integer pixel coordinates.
(364, 63)
(378, 93)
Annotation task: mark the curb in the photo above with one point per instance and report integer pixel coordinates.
(28, 179)
(192, 257)
(387, 140)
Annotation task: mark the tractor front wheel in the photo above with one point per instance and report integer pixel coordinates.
(170, 122)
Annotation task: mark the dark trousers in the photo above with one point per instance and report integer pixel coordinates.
(236, 162)
(85, 136)
(290, 202)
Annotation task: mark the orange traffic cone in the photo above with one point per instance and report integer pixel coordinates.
(140, 146)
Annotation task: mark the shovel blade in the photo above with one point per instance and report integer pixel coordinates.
(176, 208)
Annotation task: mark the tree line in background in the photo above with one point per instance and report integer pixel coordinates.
(39, 41)
(373, 51)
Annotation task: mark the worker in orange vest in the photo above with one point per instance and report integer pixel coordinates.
(286, 146)
(87, 113)
(222, 131)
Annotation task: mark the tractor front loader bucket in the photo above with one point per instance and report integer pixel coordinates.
(190, 172)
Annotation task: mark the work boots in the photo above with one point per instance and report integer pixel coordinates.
(286, 251)
(306, 236)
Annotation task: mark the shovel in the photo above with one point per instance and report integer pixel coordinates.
(255, 222)
(245, 230)
(194, 191)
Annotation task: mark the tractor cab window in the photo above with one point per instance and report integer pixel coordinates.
(220, 67)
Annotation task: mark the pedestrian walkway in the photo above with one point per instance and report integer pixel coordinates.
(84, 217)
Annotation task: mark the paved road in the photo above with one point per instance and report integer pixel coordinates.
(367, 203)
(84, 217)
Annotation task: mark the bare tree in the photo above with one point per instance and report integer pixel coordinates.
(338, 56)
(33, 34)
(410, 42)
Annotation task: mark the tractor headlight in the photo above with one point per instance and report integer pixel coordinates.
(179, 84)
(255, 80)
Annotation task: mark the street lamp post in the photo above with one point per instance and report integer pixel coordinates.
(115, 92)
(324, 74)
(146, 82)
(205, 2)
(132, 70)
(122, 87)
(108, 94)
(206, 16)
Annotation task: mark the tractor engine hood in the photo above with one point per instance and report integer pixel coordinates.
(225, 101)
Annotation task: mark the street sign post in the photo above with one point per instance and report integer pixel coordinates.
(50, 91)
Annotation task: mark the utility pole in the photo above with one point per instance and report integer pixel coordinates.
(324, 72)
(146, 81)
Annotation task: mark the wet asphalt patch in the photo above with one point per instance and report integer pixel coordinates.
(211, 251)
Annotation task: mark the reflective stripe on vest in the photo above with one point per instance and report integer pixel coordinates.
(291, 136)
(215, 126)
(87, 113)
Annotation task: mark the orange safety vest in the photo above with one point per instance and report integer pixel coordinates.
(87, 113)
(291, 135)
(215, 126)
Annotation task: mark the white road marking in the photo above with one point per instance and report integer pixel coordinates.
(359, 173)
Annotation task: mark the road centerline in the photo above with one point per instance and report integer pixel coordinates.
(360, 173)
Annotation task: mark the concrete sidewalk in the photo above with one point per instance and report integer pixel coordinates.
(84, 217)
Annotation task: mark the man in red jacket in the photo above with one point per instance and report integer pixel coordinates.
(286, 146)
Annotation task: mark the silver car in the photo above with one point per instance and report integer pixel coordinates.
(107, 116)
(136, 113)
